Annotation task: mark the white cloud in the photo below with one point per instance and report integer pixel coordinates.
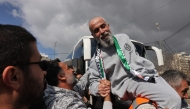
(44, 55)
(66, 21)
(15, 13)
(48, 21)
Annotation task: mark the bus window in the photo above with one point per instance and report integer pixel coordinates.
(152, 57)
(78, 51)
(70, 55)
(93, 46)
(139, 48)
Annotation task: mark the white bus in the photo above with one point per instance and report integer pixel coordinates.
(85, 48)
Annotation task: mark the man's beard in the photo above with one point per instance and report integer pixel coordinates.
(106, 42)
(31, 91)
(71, 80)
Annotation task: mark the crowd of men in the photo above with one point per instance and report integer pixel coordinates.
(117, 76)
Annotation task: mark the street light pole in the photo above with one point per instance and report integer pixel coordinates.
(54, 48)
(158, 27)
(160, 42)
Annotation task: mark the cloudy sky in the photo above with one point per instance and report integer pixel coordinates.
(64, 22)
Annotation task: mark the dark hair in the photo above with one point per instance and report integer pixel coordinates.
(52, 72)
(174, 77)
(14, 45)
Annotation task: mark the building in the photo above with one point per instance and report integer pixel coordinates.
(45, 57)
(181, 62)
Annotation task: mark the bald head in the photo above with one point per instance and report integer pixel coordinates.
(94, 21)
(100, 30)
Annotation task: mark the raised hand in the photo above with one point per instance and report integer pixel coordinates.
(104, 88)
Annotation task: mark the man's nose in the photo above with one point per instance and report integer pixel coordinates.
(101, 31)
(44, 72)
(186, 96)
(72, 70)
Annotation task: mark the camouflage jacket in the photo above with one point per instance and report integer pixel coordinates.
(59, 98)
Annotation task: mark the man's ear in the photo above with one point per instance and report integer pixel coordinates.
(92, 34)
(11, 77)
(108, 25)
(61, 77)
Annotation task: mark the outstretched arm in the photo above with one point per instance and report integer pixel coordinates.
(107, 100)
(82, 84)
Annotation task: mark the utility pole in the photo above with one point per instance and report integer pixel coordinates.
(160, 42)
(54, 48)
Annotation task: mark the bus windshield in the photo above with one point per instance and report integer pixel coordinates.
(139, 47)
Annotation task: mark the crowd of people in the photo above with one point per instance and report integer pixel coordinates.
(117, 76)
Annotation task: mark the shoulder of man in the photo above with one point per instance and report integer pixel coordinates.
(121, 36)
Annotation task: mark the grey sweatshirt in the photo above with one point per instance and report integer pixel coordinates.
(124, 83)
(115, 72)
